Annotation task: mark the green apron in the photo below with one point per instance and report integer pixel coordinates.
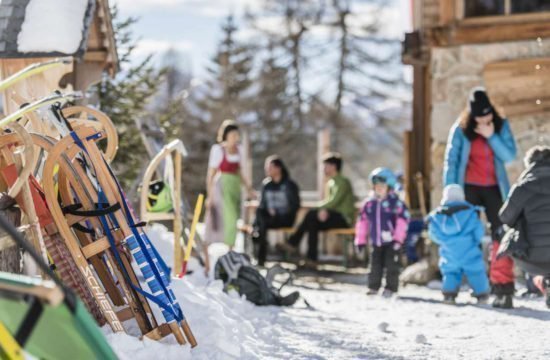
(231, 200)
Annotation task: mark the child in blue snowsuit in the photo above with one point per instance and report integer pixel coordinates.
(456, 227)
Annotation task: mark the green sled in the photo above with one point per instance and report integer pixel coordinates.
(57, 332)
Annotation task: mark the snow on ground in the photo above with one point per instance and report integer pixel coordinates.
(343, 323)
(52, 25)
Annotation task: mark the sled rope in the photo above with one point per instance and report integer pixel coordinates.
(162, 296)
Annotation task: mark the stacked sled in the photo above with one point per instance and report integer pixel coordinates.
(55, 162)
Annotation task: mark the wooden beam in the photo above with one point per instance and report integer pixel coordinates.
(486, 33)
(125, 314)
(323, 147)
(418, 141)
(96, 56)
(447, 14)
(96, 247)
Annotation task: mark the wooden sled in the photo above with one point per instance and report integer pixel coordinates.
(175, 151)
(54, 244)
(80, 189)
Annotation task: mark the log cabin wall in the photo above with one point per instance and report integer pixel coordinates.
(430, 13)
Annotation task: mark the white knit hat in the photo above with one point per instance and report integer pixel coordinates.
(453, 192)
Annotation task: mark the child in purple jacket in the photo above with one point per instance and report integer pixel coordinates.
(384, 220)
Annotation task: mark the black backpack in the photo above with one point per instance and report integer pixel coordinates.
(236, 272)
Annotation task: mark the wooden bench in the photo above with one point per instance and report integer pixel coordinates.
(347, 234)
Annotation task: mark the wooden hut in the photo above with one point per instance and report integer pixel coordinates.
(503, 45)
(36, 30)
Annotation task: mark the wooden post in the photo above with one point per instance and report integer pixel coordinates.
(178, 249)
(419, 140)
(247, 160)
(407, 166)
(323, 147)
(447, 13)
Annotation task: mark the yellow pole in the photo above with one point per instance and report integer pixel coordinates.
(176, 192)
(8, 345)
(196, 215)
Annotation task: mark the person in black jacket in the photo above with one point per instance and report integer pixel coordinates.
(527, 211)
(280, 201)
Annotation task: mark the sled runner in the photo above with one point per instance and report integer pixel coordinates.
(33, 69)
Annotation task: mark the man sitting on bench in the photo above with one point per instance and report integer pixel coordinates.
(280, 201)
(336, 211)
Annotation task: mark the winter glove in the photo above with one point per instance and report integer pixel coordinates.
(387, 237)
(396, 246)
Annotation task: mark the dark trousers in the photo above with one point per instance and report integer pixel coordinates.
(311, 225)
(491, 199)
(263, 222)
(384, 257)
(501, 271)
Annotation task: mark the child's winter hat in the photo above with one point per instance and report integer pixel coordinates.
(452, 193)
(479, 102)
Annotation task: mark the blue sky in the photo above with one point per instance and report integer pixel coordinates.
(193, 26)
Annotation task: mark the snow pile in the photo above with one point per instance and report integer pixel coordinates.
(52, 26)
(226, 326)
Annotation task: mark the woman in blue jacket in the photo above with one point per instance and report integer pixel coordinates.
(480, 144)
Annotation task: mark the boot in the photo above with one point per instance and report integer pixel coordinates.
(503, 302)
(387, 293)
(503, 293)
(498, 301)
(449, 299)
(508, 302)
(372, 292)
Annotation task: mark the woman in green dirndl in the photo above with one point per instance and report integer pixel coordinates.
(223, 183)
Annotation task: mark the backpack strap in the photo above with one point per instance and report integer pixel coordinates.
(278, 270)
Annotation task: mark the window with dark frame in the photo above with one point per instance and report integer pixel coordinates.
(476, 8)
(481, 8)
(529, 6)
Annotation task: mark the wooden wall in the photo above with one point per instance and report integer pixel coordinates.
(520, 87)
(430, 13)
(34, 87)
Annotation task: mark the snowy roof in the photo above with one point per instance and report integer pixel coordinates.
(43, 28)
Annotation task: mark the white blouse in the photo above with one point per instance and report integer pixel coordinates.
(216, 156)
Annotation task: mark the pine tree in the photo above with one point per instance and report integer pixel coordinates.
(368, 65)
(230, 78)
(297, 19)
(273, 111)
(195, 113)
(124, 100)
